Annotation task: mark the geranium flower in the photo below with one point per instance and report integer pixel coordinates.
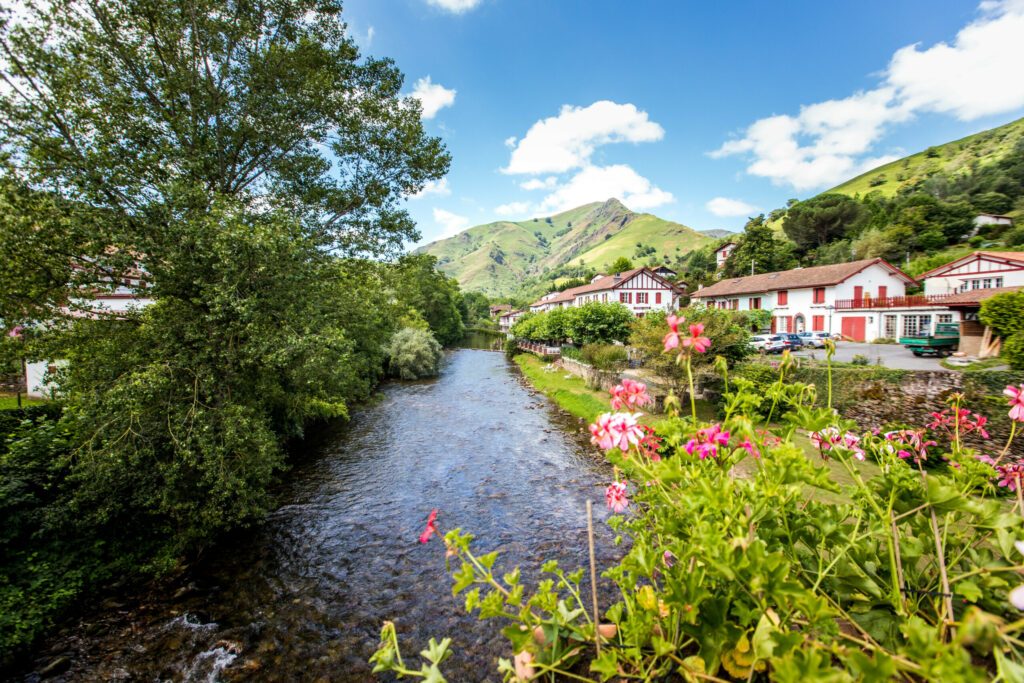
(706, 442)
(650, 444)
(1011, 475)
(630, 394)
(616, 430)
(615, 497)
(430, 529)
(963, 421)
(671, 339)
(1017, 597)
(914, 444)
(750, 447)
(600, 431)
(695, 341)
(1016, 396)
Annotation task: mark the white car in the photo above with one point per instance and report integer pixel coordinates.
(815, 339)
(768, 343)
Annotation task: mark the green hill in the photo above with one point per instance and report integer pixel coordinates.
(960, 157)
(496, 258)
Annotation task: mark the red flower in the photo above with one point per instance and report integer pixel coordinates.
(430, 530)
(695, 341)
(1011, 475)
(1016, 396)
(671, 339)
(615, 496)
(630, 394)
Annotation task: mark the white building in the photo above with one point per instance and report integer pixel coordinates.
(723, 253)
(862, 300)
(979, 270)
(507, 320)
(640, 290)
(983, 219)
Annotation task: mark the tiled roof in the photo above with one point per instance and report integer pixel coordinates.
(817, 276)
(600, 284)
(976, 296)
(1008, 255)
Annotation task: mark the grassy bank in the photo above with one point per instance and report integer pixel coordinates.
(10, 401)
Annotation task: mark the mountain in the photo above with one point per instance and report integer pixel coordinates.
(496, 258)
(717, 233)
(959, 157)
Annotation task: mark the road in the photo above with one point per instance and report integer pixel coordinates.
(891, 355)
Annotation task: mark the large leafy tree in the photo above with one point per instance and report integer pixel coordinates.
(243, 154)
(759, 250)
(822, 219)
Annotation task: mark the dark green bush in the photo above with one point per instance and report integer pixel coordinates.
(604, 356)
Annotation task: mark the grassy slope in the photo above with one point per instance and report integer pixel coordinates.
(10, 401)
(496, 257)
(953, 158)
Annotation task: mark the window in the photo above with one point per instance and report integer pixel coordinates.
(604, 297)
(818, 323)
(783, 297)
(999, 282)
(734, 304)
(890, 326)
(625, 297)
(641, 297)
(657, 297)
(944, 318)
(754, 303)
(917, 325)
(819, 295)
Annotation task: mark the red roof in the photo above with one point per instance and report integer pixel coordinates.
(604, 282)
(1008, 255)
(817, 276)
(974, 297)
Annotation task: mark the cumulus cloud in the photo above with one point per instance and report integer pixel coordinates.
(539, 184)
(451, 223)
(726, 207)
(598, 183)
(432, 96)
(455, 6)
(435, 187)
(512, 209)
(827, 142)
(567, 141)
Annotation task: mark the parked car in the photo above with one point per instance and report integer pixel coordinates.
(814, 339)
(794, 340)
(768, 343)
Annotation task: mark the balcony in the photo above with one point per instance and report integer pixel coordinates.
(914, 301)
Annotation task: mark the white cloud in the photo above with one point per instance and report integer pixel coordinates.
(726, 207)
(436, 187)
(512, 209)
(561, 143)
(368, 40)
(977, 75)
(455, 6)
(538, 184)
(510, 142)
(598, 183)
(432, 96)
(451, 223)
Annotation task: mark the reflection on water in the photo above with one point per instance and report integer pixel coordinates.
(303, 596)
(475, 339)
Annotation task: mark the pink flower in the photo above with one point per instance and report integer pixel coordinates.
(430, 529)
(630, 394)
(615, 497)
(1011, 475)
(616, 430)
(750, 448)
(914, 444)
(1017, 597)
(650, 444)
(1016, 396)
(668, 558)
(964, 422)
(825, 439)
(705, 444)
(695, 340)
(671, 339)
(15, 332)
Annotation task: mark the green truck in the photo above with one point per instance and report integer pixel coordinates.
(942, 342)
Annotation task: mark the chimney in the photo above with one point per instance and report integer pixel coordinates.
(700, 287)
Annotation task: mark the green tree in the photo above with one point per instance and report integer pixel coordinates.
(620, 265)
(759, 247)
(414, 354)
(599, 323)
(822, 219)
(435, 296)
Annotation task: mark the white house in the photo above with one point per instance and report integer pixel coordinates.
(983, 219)
(862, 300)
(723, 253)
(978, 270)
(640, 290)
(507, 320)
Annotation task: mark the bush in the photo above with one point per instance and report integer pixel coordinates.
(604, 356)
(1004, 313)
(414, 354)
(1014, 238)
(1013, 351)
(883, 340)
(860, 359)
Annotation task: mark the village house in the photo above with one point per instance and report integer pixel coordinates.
(723, 253)
(983, 219)
(507, 320)
(862, 300)
(499, 309)
(641, 290)
(978, 270)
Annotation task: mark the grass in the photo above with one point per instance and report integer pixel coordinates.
(977, 366)
(10, 401)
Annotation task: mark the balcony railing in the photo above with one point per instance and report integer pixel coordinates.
(915, 300)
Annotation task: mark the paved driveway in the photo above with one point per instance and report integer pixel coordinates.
(891, 355)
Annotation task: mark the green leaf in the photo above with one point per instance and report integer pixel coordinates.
(969, 590)
(607, 665)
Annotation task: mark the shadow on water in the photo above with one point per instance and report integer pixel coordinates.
(478, 339)
(303, 596)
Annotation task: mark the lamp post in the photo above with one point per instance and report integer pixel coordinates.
(830, 308)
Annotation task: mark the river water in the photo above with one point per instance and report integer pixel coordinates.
(302, 596)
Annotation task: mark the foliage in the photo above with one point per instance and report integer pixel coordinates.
(419, 285)
(604, 356)
(761, 248)
(822, 219)
(620, 265)
(474, 308)
(912, 574)
(1004, 313)
(729, 332)
(860, 359)
(414, 354)
(593, 322)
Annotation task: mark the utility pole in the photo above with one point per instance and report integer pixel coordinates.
(751, 266)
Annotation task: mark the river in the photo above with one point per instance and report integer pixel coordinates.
(303, 595)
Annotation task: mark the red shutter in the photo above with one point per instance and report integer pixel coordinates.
(774, 324)
(783, 297)
(657, 297)
(858, 293)
(883, 291)
(818, 323)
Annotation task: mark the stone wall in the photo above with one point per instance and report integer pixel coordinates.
(10, 384)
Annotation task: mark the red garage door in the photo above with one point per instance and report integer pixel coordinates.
(853, 328)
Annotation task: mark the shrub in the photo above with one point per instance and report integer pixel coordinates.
(1013, 351)
(414, 354)
(860, 359)
(604, 356)
(1014, 238)
(883, 340)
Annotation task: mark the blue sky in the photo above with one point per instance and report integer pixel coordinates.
(698, 112)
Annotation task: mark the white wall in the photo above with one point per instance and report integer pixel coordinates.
(976, 269)
(35, 378)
